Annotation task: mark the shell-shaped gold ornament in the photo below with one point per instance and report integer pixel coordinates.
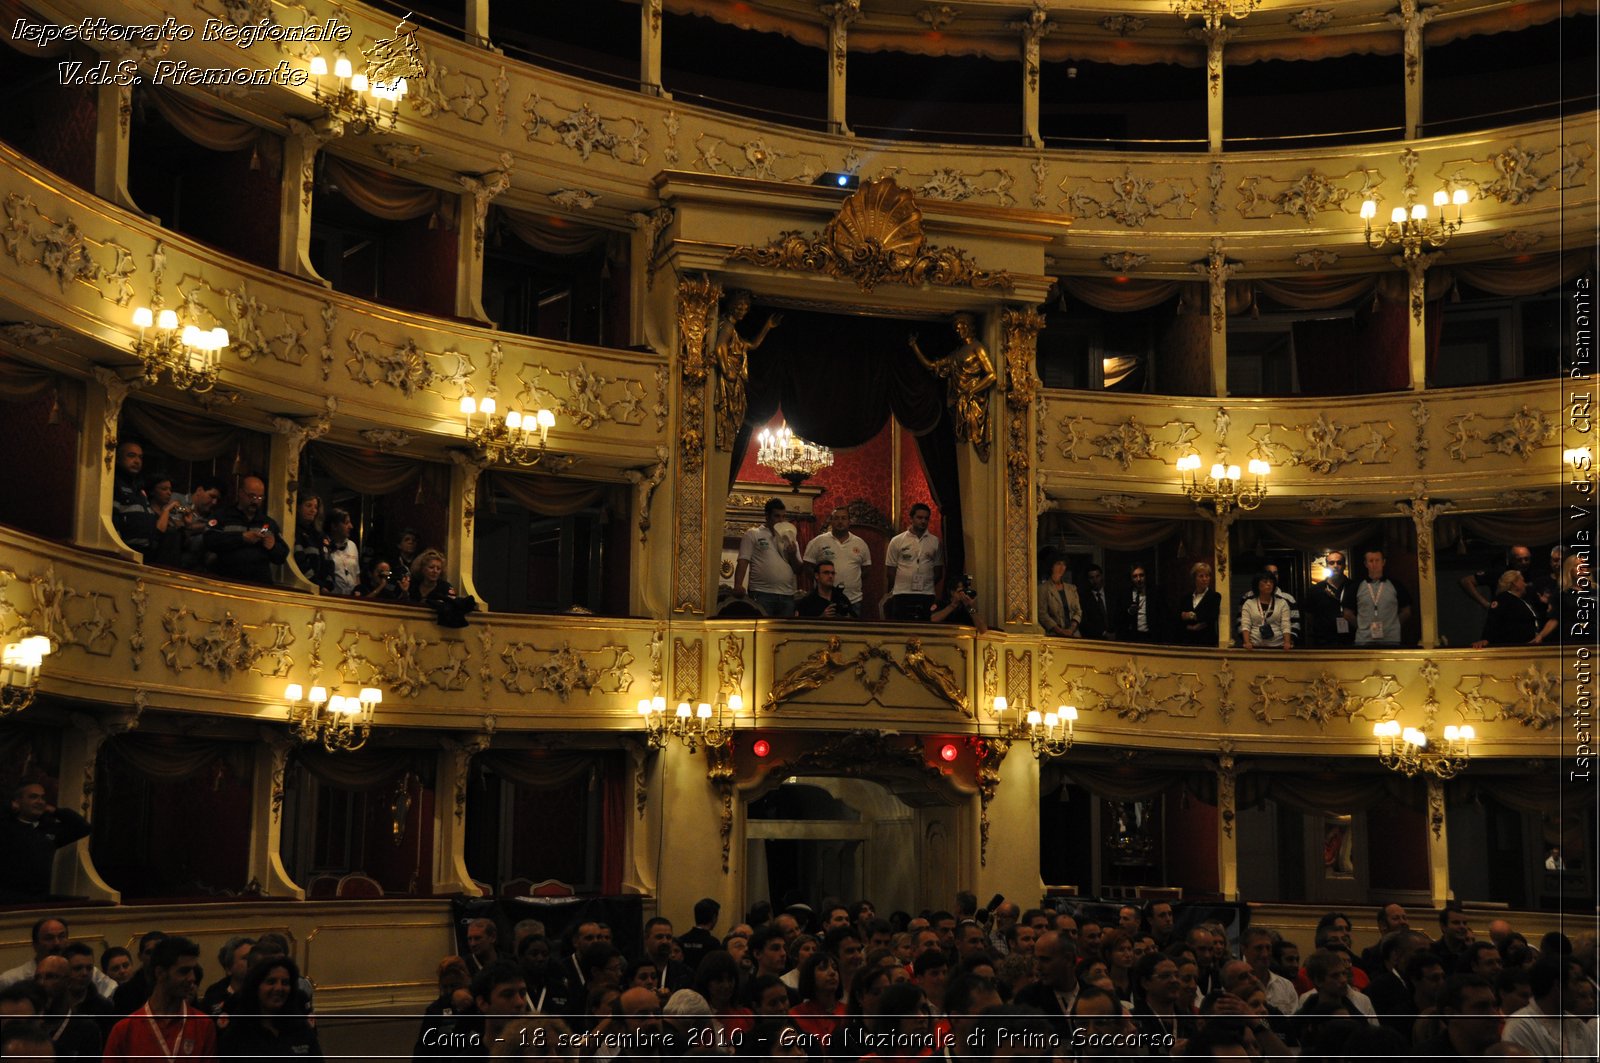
(880, 224)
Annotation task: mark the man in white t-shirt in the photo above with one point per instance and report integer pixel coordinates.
(915, 559)
(768, 564)
(848, 553)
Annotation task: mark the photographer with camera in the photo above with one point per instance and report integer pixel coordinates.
(380, 584)
(961, 607)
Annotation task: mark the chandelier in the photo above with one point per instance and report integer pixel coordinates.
(513, 438)
(1406, 749)
(190, 357)
(710, 726)
(791, 457)
(1412, 230)
(1048, 734)
(1214, 11)
(358, 102)
(1224, 488)
(339, 723)
(19, 672)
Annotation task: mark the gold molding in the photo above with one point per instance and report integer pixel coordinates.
(875, 238)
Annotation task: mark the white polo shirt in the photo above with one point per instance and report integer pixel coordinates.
(769, 572)
(849, 556)
(914, 558)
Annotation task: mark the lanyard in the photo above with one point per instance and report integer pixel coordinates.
(1374, 591)
(155, 1029)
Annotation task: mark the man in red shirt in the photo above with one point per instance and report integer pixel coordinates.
(167, 1027)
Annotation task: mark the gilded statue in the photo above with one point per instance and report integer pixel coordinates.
(731, 352)
(968, 375)
(930, 673)
(810, 673)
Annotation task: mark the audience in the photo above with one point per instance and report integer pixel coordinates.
(853, 1005)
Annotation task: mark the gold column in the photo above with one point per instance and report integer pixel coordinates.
(450, 873)
(1221, 574)
(1034, 28)
(465, 472)
(299, 182)
(1215, 35)
(477, 193)
(288, 440)
(97, 464)
(1227, 824)
(1423, 513)
(266, 816)
(1217, 269)
(1438, 846)
(75, 873)
(1411, 18)
(113, 116)
(1020, 334)
(696, 311)
(1416, 266)
(650, 48)
(477, 22)
(839, 14)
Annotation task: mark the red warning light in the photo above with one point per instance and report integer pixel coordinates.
(948, 751)
(761, 747)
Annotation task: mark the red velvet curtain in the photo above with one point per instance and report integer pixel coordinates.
(838, 378)
(1354, 355)
(614, 810)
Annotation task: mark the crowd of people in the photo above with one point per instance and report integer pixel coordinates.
(771, 567)
(839, 982)
(1340, 610)
(242, 542)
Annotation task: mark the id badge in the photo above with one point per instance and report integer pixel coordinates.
(1342, 626)
(1375, 630)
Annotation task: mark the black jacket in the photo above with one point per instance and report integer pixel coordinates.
(30, 851)
(240, 560)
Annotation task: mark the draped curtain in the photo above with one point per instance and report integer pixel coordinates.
(555, 235)
(1317, 534)
(1502, 529)
(375, 473)
(551, 496)
(1527, 275)
(1125, 783)
(172, 758)
(213, 128)
(194, 437)
(838, 379)
(1329, 791)
(386, 196)
(365, 769)
(1122, 533)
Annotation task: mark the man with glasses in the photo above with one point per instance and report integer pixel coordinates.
(1333, 605)
(246, 541)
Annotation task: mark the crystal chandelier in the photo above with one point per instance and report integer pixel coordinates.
(1406, 749)
(338, 722)
(791, 457)
(1224, 488)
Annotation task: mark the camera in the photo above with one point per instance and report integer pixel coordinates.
(969, 586)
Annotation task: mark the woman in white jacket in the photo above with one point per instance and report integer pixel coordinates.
(1264, 620)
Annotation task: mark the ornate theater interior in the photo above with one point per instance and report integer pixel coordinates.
(568, 296)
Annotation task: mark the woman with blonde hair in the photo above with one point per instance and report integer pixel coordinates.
(426, 584)
(1199, 610)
